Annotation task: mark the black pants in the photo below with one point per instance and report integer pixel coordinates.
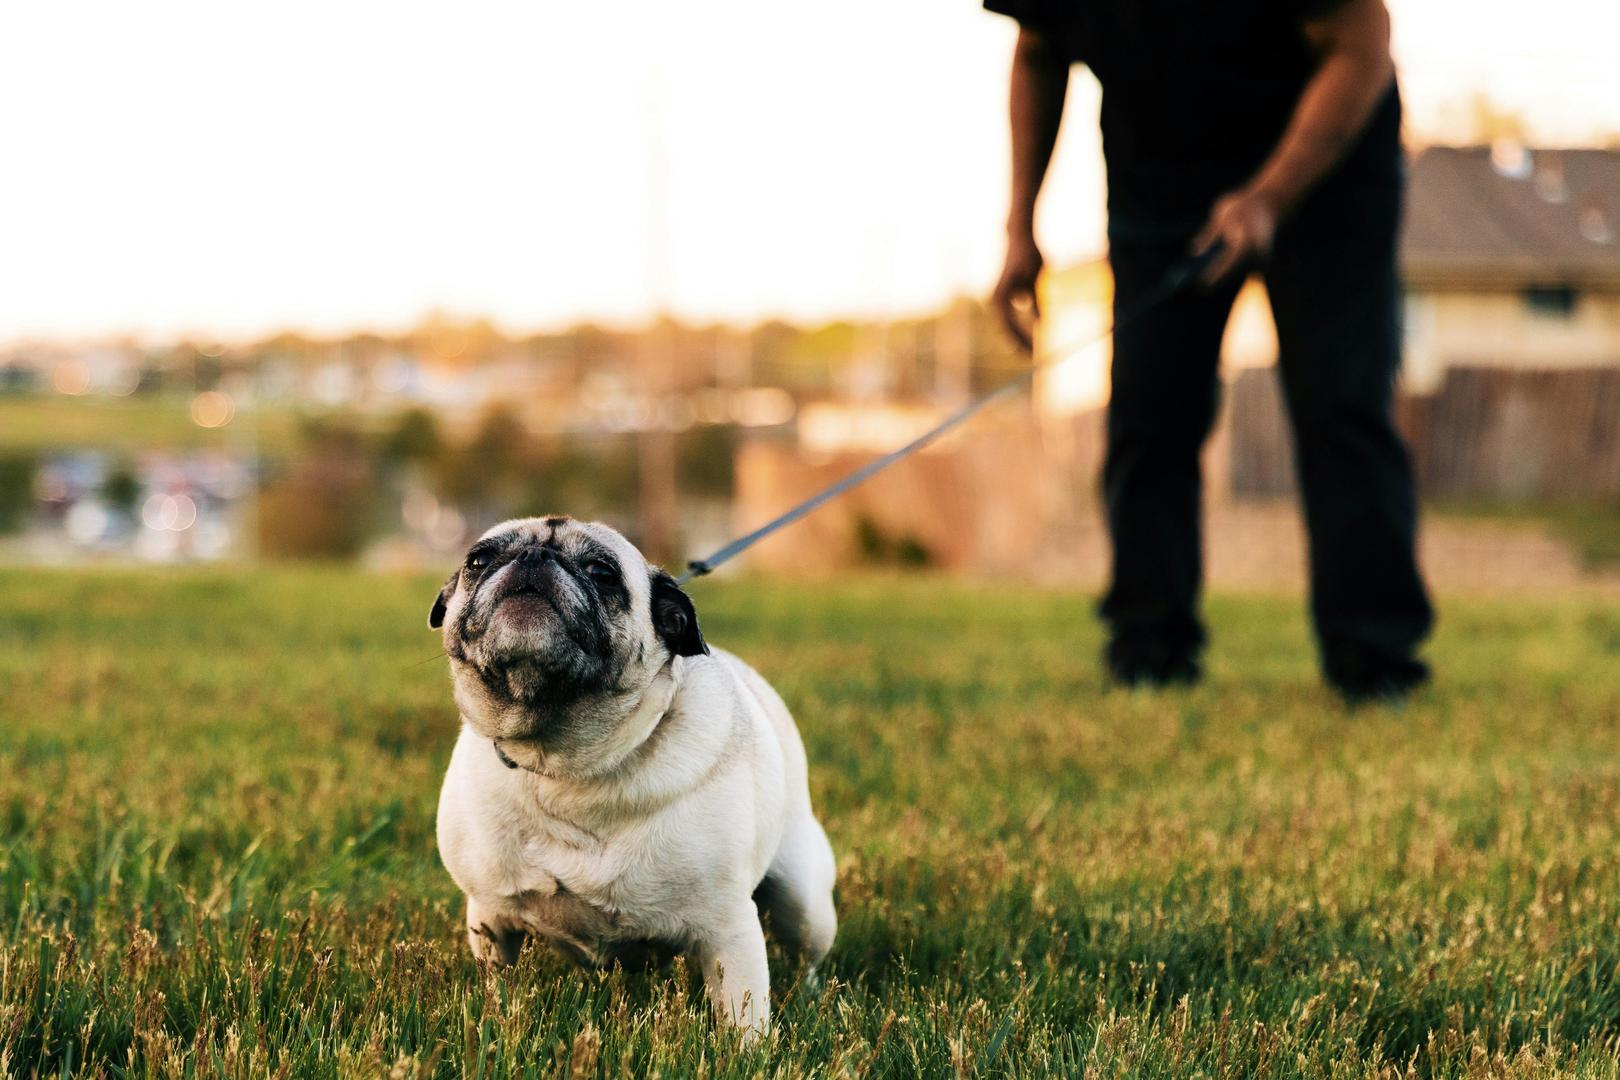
(1336, 299)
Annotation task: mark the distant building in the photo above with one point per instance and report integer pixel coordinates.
(1511, 384)
(1512, 260)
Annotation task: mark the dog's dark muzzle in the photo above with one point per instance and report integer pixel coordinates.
(537, 573)
(541, 576)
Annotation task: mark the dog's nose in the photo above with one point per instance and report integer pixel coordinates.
(538, 557)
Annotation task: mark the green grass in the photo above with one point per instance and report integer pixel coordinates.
(135, 424)
(216, 845)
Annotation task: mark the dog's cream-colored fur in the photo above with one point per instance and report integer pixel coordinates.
(652, 809)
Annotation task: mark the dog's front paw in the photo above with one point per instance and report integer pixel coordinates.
(486, 946)
(491, 939)
(735, 974)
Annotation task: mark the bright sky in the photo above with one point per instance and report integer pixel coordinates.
(191, 166)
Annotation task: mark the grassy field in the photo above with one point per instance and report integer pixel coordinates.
(216, 845)
(130, 425)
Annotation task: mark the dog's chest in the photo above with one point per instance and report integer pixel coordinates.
(574, 900)
(579, 928)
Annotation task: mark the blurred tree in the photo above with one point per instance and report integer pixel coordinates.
(205, 367)
(705, 461)
(414, 438)
(586, 476)
(603, 350)
(121, 490)
(816, 354)
(330, 435)
(16, 491)
(326, 506)
(487, 475)
(878, 548)
(289, 348)
(769, 345)
(501, 441)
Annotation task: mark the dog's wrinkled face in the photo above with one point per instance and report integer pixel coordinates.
(546, 615)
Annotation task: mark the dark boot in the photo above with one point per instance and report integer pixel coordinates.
(1364, 677)
(1139, 660)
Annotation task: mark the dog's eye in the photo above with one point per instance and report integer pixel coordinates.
(478, 561)
(601, 573)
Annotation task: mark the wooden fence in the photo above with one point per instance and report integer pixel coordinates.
(1490, 433)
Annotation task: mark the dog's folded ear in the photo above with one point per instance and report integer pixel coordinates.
(675, 618)
(436, 616)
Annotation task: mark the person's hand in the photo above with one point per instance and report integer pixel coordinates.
(1014, 299)
(1244, 223)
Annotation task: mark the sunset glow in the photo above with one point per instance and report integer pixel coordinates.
(185, 167)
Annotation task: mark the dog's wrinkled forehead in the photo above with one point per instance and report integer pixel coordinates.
(579, 540)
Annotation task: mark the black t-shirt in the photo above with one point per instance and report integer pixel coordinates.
(1196, 94)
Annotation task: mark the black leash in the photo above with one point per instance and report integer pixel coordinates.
(1173, 282)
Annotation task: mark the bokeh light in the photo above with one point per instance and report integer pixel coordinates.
(212, 409)
(87, 522)
(169, 513)
(71, 377)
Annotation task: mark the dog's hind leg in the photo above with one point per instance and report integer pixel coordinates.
(494, 939)
(797, 893)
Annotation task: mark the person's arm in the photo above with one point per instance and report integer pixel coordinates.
(1040, 82)
(1355, 71)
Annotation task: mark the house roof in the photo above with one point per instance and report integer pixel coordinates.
(1508, 216)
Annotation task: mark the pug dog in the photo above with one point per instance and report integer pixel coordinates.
(619, 788)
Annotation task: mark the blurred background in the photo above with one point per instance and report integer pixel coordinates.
(353, 282)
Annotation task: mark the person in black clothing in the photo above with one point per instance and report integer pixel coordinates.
(1271, 128)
